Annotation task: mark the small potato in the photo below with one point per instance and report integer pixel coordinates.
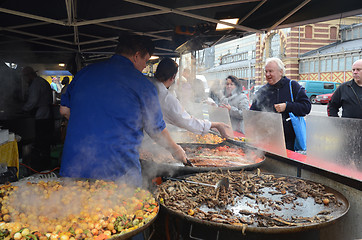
(25, 232)
(64, 237)
(17, 236)
(7, 218)
(4, 211)
(325, 201)
(110, 226)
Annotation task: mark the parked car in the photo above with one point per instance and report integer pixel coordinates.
(323, 98)
(314, 88)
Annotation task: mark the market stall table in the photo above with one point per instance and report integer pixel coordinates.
(9, 155)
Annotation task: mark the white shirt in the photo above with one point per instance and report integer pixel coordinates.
(175, 114)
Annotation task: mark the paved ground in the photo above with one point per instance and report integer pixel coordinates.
(319, 110)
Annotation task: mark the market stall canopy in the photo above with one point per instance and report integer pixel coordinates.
(84, 31)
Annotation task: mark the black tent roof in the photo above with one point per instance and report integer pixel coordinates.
(48, 32)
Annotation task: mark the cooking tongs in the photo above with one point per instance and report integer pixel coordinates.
(223, 183)
(188, 163)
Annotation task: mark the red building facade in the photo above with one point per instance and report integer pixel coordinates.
(289, 44)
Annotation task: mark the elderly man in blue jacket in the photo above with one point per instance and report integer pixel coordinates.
(275, 96)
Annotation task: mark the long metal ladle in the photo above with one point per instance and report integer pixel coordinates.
(224, 182)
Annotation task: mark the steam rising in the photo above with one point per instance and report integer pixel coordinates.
(43, 204)
(335, 140)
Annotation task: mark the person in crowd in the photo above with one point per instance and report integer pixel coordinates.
(184, 89)
(216, 91)
(65, 83)
(172, 110)
(64, 120)
(235, 101)
(39, 105)
(348, 95)
(275, 97)
(198, 88)
(54, 85)
(11, 99)
(108, 105)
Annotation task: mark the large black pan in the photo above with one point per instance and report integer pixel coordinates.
(151, 168)
(308, 208)
(53, 177)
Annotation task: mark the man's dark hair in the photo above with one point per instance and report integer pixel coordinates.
(129, 44)
(29, 72)
(166, 69)
(65, 81)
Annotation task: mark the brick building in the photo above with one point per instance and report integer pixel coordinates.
(245, 57)
(333, 62)
(289, 44)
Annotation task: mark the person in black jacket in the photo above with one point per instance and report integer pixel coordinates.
(348, 96)
(39, 105)
(275, 97)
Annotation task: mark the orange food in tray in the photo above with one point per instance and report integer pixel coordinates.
(222, 156)
(207, 138)
(188, 137)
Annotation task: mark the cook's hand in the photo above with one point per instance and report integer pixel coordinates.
(226, 106)
(222, 128)
(280, 107)
(180, 154)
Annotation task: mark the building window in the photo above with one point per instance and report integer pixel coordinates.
(355, 33)
(308, 31)
(306, 67)
(355, 58)
(274, 46)
(329, 65)
(253, 54)
(349, 34)
(333, 33)
(348, 62)
(341, 64)
(311, 67)
(301, 65)
(316, 66)
(323, 65)
(335, 64)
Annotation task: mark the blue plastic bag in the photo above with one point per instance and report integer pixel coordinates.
(299, 126)
(300, 131)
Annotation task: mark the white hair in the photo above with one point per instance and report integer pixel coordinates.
(358, 61)
(279, 63)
